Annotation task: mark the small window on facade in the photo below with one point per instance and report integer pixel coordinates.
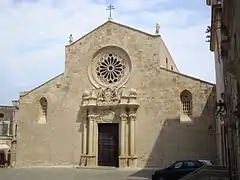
(186, 105)
(166, 62)
(172, 68)
(43, 107)
(186, 102)
(1, 115)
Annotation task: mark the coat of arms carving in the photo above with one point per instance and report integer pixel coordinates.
(107, 96)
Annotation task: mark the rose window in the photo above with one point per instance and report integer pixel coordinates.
(110, 68)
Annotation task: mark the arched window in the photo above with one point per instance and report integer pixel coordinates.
(43, 106)
(186, 102)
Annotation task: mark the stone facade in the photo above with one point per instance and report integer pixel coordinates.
(117, 74)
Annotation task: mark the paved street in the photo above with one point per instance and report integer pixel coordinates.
(73, 174)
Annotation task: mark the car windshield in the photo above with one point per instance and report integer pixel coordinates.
(206, 162)
(176, 165)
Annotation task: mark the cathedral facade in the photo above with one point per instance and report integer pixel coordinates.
(121, 102)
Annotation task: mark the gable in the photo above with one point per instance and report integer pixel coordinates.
(110, 24)
(113, 33)
(45, 87)
(89, 44)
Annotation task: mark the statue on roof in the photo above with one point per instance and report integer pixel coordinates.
(157, 29)
(70, 38)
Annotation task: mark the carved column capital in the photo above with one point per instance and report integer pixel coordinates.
(123, 117)
(92, 117)
(132, 116)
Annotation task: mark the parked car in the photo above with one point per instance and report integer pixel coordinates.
(178, 169)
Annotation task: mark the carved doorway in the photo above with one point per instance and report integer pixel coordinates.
(108, 144)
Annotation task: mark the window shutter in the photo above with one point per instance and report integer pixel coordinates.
(5, 129)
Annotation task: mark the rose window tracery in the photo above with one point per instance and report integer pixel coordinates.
(110, 68)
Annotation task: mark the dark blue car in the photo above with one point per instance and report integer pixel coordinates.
(177, 170)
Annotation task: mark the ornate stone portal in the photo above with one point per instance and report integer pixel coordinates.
(110, 105)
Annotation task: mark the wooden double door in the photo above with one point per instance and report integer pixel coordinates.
(2, 159)
(108, 144)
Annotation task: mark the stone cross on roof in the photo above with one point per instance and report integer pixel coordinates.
(110, 8)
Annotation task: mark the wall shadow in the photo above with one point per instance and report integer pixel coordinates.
(178, 140)
(81, 115)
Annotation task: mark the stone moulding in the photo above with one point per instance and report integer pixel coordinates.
(110, 97)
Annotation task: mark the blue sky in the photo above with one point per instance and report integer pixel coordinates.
(34, 33)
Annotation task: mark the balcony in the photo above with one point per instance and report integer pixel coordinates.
(213, 2)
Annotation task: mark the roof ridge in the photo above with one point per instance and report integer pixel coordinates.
(188, 76)
(27, 92)
(113, 22)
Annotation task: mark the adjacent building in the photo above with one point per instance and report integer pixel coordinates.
(215, 46)
(225, 43)
(8, 128)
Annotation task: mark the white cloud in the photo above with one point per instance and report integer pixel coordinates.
(137, 5)
(33, 36)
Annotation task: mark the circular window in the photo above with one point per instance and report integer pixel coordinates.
(110, 67)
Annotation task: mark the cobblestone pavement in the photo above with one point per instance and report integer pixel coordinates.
(73, 174)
